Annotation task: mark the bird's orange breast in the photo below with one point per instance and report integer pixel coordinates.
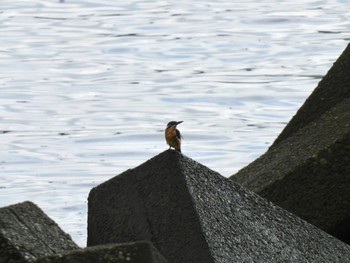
(171, 138)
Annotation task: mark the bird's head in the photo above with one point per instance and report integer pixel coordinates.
(173, 124)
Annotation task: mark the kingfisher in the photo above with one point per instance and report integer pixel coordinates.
(173, 135)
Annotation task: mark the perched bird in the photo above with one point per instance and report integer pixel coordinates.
(173, 135)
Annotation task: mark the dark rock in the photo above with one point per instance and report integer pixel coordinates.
(193, 214)
(26, 234)
(332, 89)
(306, 171)
(148, 203)
(138, 252)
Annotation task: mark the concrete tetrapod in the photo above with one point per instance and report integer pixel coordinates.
(193, 214)
(136, 252)
(27, 233)
(306, 171)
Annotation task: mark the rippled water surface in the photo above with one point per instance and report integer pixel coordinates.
(87, 87)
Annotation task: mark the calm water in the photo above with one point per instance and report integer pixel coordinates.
(87, 87)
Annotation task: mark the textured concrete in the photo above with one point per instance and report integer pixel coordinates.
(306, 171)
(137, 252)
(26, 234)
(149, 203)
(193, 214)
(332, 89)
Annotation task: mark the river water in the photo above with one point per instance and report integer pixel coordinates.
(87, 87)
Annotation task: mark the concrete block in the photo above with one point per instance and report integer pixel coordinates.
(193, 214)
(27, 233)
(306, 171)
(331, 90)
(137, 252)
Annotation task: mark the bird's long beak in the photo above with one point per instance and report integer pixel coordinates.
(178, 122)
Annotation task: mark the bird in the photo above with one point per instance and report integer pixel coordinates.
(173, 135)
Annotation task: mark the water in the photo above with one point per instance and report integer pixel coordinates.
(87, 87)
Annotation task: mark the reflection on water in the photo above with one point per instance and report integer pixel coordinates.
(87, 87)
